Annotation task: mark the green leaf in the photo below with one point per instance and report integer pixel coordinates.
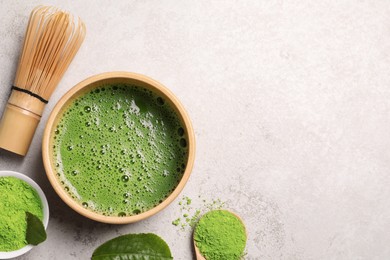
(133, 247)
(35, 233)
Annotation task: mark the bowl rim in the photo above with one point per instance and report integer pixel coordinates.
(45, 209)
(50, 172)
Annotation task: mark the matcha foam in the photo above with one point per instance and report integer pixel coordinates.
(119, 150)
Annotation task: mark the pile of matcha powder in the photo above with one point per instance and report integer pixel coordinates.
(220, 235)
(16, 198)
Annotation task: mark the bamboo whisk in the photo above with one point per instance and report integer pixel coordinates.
(52, 39)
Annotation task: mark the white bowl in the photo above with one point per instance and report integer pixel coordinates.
(23, 250)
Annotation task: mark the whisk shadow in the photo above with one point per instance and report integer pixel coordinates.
(10, 157)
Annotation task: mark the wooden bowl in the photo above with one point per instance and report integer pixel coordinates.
(91, 83)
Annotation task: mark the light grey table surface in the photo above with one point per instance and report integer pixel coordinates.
(290, 102)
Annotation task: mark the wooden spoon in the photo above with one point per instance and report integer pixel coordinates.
(198, 254)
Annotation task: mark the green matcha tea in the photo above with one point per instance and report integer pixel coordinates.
(119, 150)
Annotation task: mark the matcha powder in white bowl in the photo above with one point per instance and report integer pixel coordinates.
(18, 194)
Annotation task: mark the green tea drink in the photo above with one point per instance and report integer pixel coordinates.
(119, 150)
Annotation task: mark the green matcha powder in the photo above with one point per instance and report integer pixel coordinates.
(220, 235)
(16, 198)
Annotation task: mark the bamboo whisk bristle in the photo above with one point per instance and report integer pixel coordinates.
(52, 39)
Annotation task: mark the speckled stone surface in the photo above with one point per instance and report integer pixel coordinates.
(290, 101)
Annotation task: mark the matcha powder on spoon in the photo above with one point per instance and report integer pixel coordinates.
(16, 198)
(220, 235)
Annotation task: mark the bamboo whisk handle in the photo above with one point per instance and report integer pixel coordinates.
(19, 122)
